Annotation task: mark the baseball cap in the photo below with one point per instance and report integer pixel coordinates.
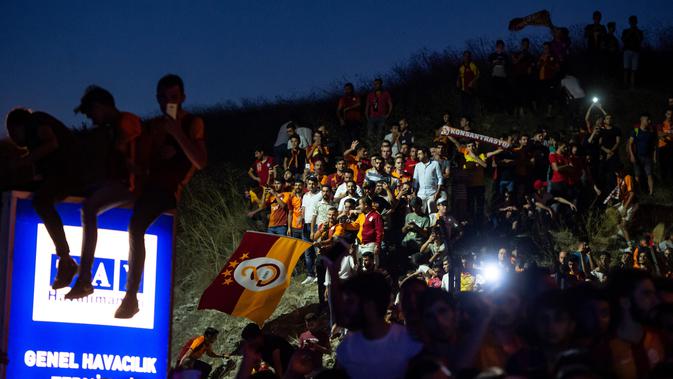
(94, 94)
(539, 184)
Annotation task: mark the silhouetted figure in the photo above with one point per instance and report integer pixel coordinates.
(52, 150)
(173, 148)
(118, 131)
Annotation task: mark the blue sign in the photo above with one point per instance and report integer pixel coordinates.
(51, 337)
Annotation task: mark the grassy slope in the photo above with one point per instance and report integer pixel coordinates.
(212, 215)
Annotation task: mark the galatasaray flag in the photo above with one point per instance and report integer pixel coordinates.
(254, 279)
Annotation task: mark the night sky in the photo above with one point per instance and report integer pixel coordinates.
(229, 50)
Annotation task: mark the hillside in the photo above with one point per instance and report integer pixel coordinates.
(212, 216)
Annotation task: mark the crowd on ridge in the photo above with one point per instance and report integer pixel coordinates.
(416, 277)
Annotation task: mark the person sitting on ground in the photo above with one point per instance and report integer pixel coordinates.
(275, 351)
(196, 348)
(601, 273)
(314, 339)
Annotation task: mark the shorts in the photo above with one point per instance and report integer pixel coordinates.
(631, 59)
(643, 164)
(626, 214)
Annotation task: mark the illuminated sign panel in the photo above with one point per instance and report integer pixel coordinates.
(51, 337)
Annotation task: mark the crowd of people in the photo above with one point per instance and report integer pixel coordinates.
(420, 278)
(416, 275)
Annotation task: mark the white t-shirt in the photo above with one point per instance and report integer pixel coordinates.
(445, 282)
(572, 85)
(341, 190)
(342, 202)
(305, 136)
(309, 202)
(346, 269)
(385, 358)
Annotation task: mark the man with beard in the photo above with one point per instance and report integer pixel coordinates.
(635, 348)
(373, 348)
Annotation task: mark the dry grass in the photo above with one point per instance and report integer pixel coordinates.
(211, 221)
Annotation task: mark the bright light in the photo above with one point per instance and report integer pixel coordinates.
(595, 99)
(492, 273)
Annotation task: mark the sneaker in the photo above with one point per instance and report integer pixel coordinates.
(314, 280)
(309, 279)
(67, 268)
(79, 290)
(128, 308)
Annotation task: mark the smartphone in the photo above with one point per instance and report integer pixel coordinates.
(172, 110)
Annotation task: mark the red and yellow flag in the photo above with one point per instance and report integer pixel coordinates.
(254, 279)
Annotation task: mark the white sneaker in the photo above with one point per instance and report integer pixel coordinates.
(309, 279)
(315, 280)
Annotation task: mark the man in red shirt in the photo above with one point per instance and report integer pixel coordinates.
(349, 113)
(410, 162)
(378, 109)
(335, 179)
(278, 202)
(560, 165)
(263, 170)
(371, 228)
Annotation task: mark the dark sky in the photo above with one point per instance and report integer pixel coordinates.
(227, 50)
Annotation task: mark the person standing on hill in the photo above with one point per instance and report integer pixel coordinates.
(468, 75)
(349, 113)
(174, 147)
(665, 134)
(499, 61)
(632, 38)
(595, 34)
(378, 109)
(522, 69)
(642, 151)
(263, 169)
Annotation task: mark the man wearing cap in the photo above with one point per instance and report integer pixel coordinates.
(173, 147)
(118, 131)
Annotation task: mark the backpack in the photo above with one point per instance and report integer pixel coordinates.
(185, 348)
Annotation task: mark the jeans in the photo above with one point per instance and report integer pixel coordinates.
(148, 207)
(52, 190)
(475, 204)
(376, 127)
(297, 233)
(109, 195)
(280, 230)
(506, 185)
(309, 255)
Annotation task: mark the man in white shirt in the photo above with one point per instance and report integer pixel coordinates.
(308, 205)
(341, 190)
(351, 193)
(427, 180)
(373, 348)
